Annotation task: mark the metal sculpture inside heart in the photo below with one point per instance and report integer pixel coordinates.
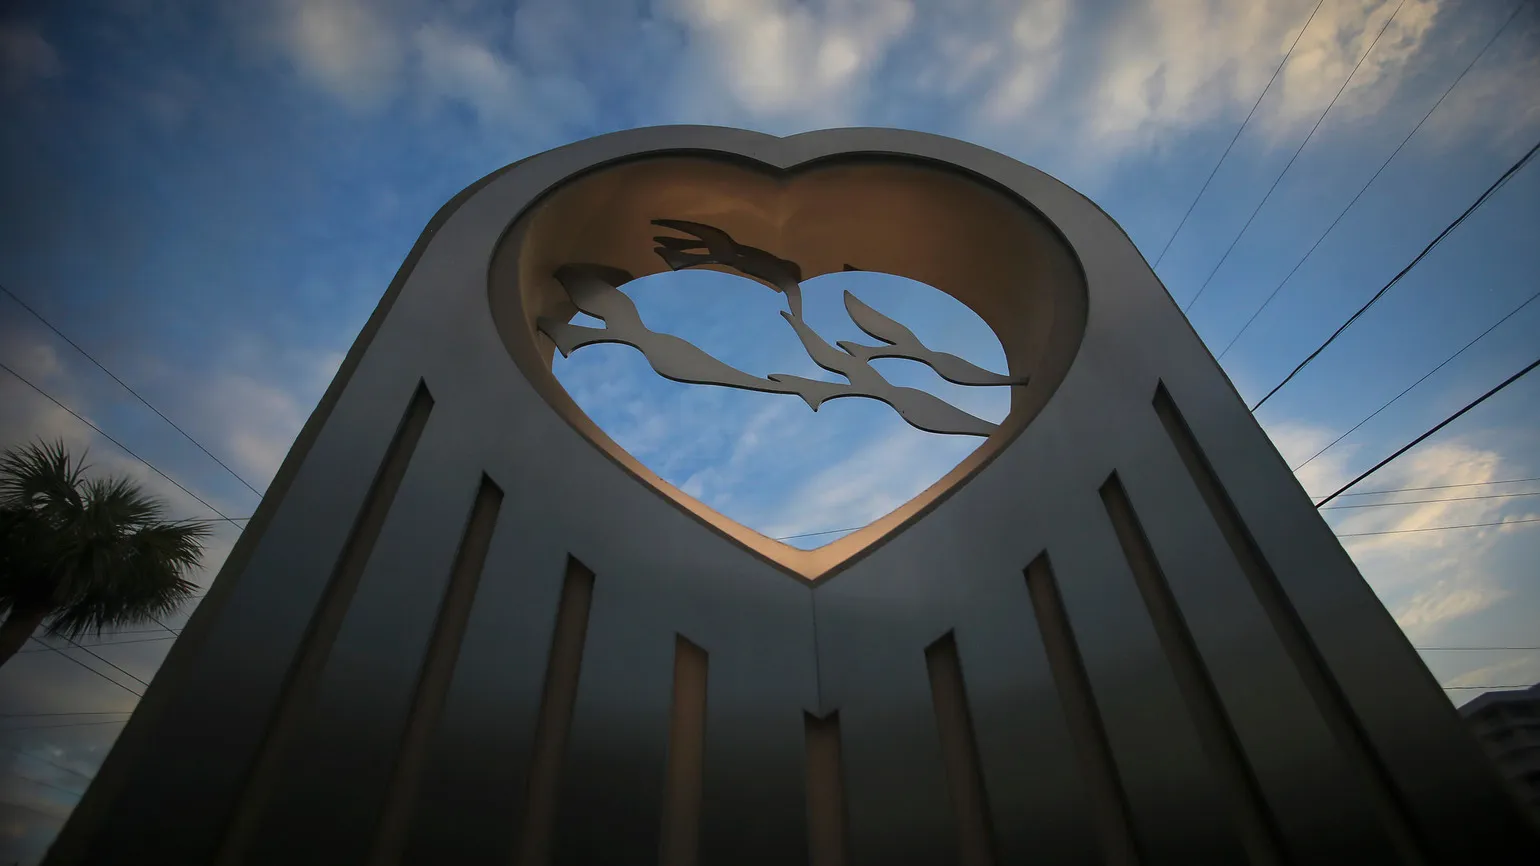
(595, 290)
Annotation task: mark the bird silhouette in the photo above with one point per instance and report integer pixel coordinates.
(712, 246)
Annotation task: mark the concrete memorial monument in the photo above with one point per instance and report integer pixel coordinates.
(466, 627)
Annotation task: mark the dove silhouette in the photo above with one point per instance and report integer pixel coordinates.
(720, 249)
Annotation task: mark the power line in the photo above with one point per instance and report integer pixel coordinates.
(108, 663)
(118, 642)
(11, 804)
(1437, 528)
(1465, 688)
(65, 725)
(1297, 152)
(46, 784)
(1408, 388)
(1440, 486)
(811, 534)
(1326, 508)
(1481, 200)
(1483, 649)
(128, 388)
(66, 655)
(1244, 123)
(1437, 427)
(1409, 502)
(40, 759)
(173, 632)
(38, 715)
(1365, 188)
(105, 435)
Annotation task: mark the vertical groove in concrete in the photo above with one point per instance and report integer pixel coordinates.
(1254, 819)
(959, 749)
(828, 841)
(324, 626)
(437, 671)
(1329, 698)
(685, 773)
(1114, 817)
(563, 666)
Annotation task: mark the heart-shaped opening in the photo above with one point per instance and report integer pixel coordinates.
(572, 252)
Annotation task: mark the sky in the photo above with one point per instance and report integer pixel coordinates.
(210, 197)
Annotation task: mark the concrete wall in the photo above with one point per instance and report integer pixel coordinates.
(458, 632)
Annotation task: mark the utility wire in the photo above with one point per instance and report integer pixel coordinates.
(1408, 388)
(126, 450)
(1438, 528)
(1480, 648)
(66, 655)
(1441, 487)
(40, 759)
(811, 534)
(91, 653)
(153, 639)
(172, 631)
(188, 436)
(1384, 504)
(1365, 188)
(1437, 427)
(1480, 688)
(69, 791)
(65, 725)
(1231, 145)
(1481, 200)
(37, 715)
(1325, 508)
(1290, 163)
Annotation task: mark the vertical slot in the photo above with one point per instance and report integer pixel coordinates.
(324, 625)
(826, 816)
(960, 752)
(1257, 828)
(683, 780)
(1327, 694)
(1114, 817)
(437, 670)
(563, 666)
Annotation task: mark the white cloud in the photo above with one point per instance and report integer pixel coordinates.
(777, 61)
(872, 480)
(1444, 588)
(1298, 442)
(346, 47)
(1034, 51)
(1431, 579)
(1163, 69)
(1514, 670)
(25, 57)
(460, 66)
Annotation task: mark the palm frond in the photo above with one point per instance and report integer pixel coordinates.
(98, 552)
(41, 476)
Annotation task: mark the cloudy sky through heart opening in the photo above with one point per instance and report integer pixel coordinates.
(766, 460)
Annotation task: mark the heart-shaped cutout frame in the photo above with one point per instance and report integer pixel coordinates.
(906, 216)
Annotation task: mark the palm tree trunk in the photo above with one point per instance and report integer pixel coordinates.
(18, 627)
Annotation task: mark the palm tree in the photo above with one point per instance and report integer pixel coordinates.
(83, 554)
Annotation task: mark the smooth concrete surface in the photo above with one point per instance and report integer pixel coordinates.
(1257, 703)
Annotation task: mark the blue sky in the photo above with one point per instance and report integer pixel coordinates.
(210, 198)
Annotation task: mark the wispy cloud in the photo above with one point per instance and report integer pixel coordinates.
(1430, 580)
(349, 48)
(25, 56)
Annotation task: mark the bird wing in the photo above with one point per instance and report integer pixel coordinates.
(719, 242)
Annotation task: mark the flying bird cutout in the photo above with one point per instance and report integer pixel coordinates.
(595, 290)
